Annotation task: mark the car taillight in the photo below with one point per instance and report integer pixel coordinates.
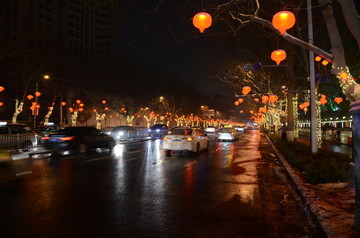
(165, 138)
(45, 138)
(67, 138)
(188, 139)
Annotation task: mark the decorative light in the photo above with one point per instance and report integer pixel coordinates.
(103, 101)
(246, 90)
(202, 20)
(338, 100)
(78, 101)
(306, 109)
(30, 96)
(2, 88)
(343, 75)
(273, 98)
(306, 104)
(278, 56)
(63, 103)
(94, 110)
(1, 104)
(317, 58)
(81, 109)
(236, 103)
(265, 98)
(240, 100)
(106, 108)
(37, 94)
(241, 111)
(325, 62)
(283, 20)
(256, 99)
(81, 104)
(71, 109)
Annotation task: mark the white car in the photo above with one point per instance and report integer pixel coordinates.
(228, 134)
(185, 139)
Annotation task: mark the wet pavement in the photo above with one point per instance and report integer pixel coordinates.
(234, 190)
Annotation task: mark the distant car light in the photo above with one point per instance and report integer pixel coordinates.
(67, 138)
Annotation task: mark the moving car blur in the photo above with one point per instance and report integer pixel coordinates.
(185, 139)
(158, 131)
(78, 139)
(228, 134)
(123, 133)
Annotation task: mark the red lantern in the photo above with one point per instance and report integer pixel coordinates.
(325, 62)
(37, 94)
(81, 104)
(338, 100)
(283, 20)
(71, 109)
(306, 104)
(264, 99)
(78, 101)
(103, 101)
(236, 103)
(343, 75)
(278, 56)
(317, 58)
(241, 111)
(202, 20)
(240, 100)
(2, 88)
(246, 90)
(256, 99)
(273, 98)
(302, 106)
(106, 108)
(30, 97)
(306, 109)
(81, 109)
(63, 103)
(1, 104)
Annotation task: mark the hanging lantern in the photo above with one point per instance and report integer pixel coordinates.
(306, 104)
(251, 111)
(103, 101)
(1, 104)
(37, 94)
(81, 109)
(30, 97)
(94, 110)
(63, 103)
(302, 106)
(283, 20)
(202, 20)
(78, 101)
(273, 98)
(306, 109)
(71, 109)
(278, 56)
(106, 108)
(81, 104)
(322, 101)
(282, 112)
(265, 99)
(325, 62)
(240, 100)
(317, 58)
(256, 99)
(37, 106)
(338, 100)
(241, 111)
(343, 75)
(246, 90)
(236, 103)
(2, 88)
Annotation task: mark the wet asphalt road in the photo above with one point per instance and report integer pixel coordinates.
(233, 190)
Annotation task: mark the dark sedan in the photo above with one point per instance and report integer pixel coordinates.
(158, 131)
(78, 139)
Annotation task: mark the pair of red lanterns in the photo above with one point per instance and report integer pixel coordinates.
(281, 21)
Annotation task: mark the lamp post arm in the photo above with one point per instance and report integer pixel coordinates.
(294, 40)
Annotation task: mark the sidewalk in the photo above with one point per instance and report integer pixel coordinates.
(331, 205)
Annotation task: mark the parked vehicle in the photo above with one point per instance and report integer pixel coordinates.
(228, 134)
(158, 131)
(78, 139)
(185, 139)
(16, 137)
(123, 133)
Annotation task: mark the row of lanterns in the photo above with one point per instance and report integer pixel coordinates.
(281, 21)
(1, 89)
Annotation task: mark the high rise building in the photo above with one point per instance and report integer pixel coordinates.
(76, 27)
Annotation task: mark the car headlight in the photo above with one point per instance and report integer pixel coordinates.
(120, 133)
(157, 130)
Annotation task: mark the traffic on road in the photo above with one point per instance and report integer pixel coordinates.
(232, 189)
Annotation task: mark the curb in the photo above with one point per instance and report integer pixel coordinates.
(302, 192)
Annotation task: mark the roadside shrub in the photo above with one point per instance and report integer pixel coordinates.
(324, 167)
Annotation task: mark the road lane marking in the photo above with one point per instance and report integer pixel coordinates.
(105, 157)
(191, 163)
(23, 173)
(130, 159)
